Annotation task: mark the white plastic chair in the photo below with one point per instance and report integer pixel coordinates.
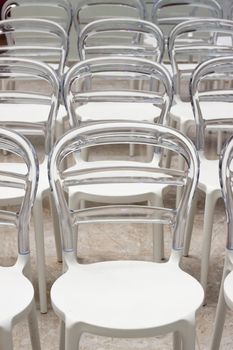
(204, 43)
(225, 296)
(124, 298)
(32, 111)
(59, 11)
(220, 98)
(16, 292)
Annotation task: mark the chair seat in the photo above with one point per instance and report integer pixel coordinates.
(182, 111)
(9, 195)
(33, 113)
(122, 295)
(207, 167)
(228, 290)
(16, 293)
(120, 111)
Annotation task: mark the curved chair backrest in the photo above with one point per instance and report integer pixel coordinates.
(226, 180)
(218, 72)
(59, 11)
(35, 39)
(115, 172)
(109, 79)
(18, 146)
(121, 36)
(87, 11)
(168, 13)
(196, 41)
(28, 76)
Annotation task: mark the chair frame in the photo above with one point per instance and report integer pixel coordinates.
(14, 143)
(63, 4)
(80, 138)
(136, 5)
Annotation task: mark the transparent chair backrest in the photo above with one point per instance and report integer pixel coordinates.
(212, 82)
(34, 39)
(117, 79)
(34, 84)
(59, 11)
(226, 180)
(18, 216)
(87, 11)
(168, 13)
(118, 172)
(196, 41)
(121, 36)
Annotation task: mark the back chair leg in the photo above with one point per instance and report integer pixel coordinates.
(210, 202)
(40, 254)
(33, 328)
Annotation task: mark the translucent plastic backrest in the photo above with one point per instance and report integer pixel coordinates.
(196, 41)
(87, 11)
(29, 83)
(168, 13)
(12, 181)
(117, 79)
(226, 180)
(34, 39)
(216, 75)
(117, 172)
(121, 36)
(59, 11)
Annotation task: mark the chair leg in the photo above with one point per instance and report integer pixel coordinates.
(210, 203)
(158, 238)
(40, 254)
(62, 336)
(188, 334)
(177, 341)
(33, 328)
(189, 227)
(6, 341)
(72, 337)
(220, 315)
(56, 229)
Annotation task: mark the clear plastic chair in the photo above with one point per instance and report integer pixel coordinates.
(87, 97)
(210, 38)
(225, 296)
(36, 39)
(168, 13)
(31, 108)
(87, 11)
(59, 11)
(124, 298)
(16, 292)
(121, 37)
(217, 116)
(93, 92)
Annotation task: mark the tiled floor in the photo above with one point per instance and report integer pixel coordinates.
(134, 242)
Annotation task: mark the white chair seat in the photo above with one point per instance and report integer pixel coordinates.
(34, 113)
(110, 294)
(209, 177)
(228, 290)
(121, 111)
(114, 192)
(182, 111)
(16, 294)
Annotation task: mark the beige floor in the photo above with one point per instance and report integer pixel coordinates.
(135, 243)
